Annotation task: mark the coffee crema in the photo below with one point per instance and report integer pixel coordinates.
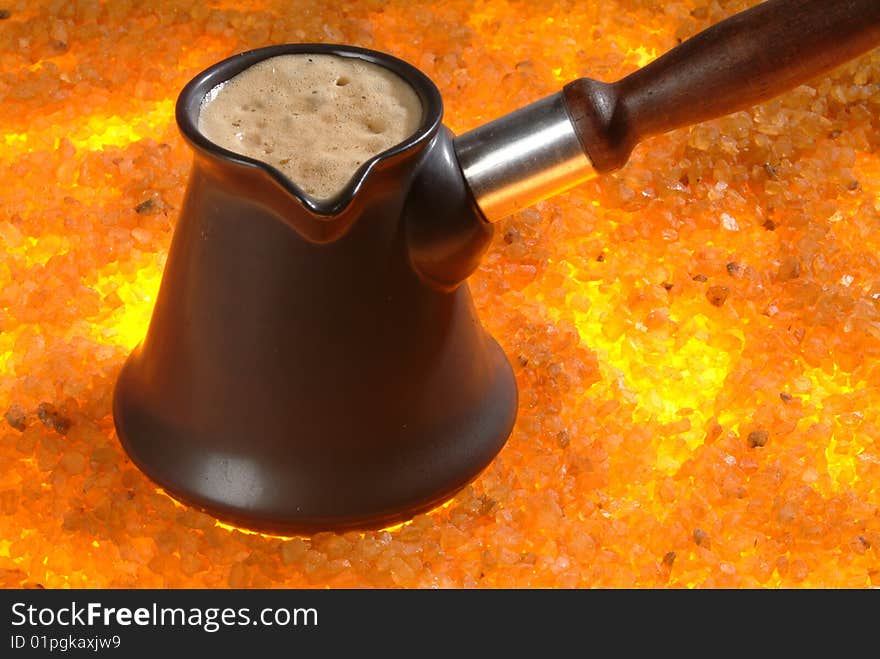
(316, 118)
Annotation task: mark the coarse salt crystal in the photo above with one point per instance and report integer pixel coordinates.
(729, 222)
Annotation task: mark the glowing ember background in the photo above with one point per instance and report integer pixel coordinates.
(695, 338)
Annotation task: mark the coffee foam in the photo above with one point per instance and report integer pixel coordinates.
(316, 118)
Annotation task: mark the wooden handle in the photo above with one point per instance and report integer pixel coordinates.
(737, 63)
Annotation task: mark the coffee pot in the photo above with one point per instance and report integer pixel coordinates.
(318, 364)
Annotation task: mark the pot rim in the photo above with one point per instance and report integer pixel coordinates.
(191, 97)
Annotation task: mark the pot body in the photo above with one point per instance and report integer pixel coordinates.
(300, 373)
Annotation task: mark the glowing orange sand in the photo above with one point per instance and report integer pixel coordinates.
(695, 338)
